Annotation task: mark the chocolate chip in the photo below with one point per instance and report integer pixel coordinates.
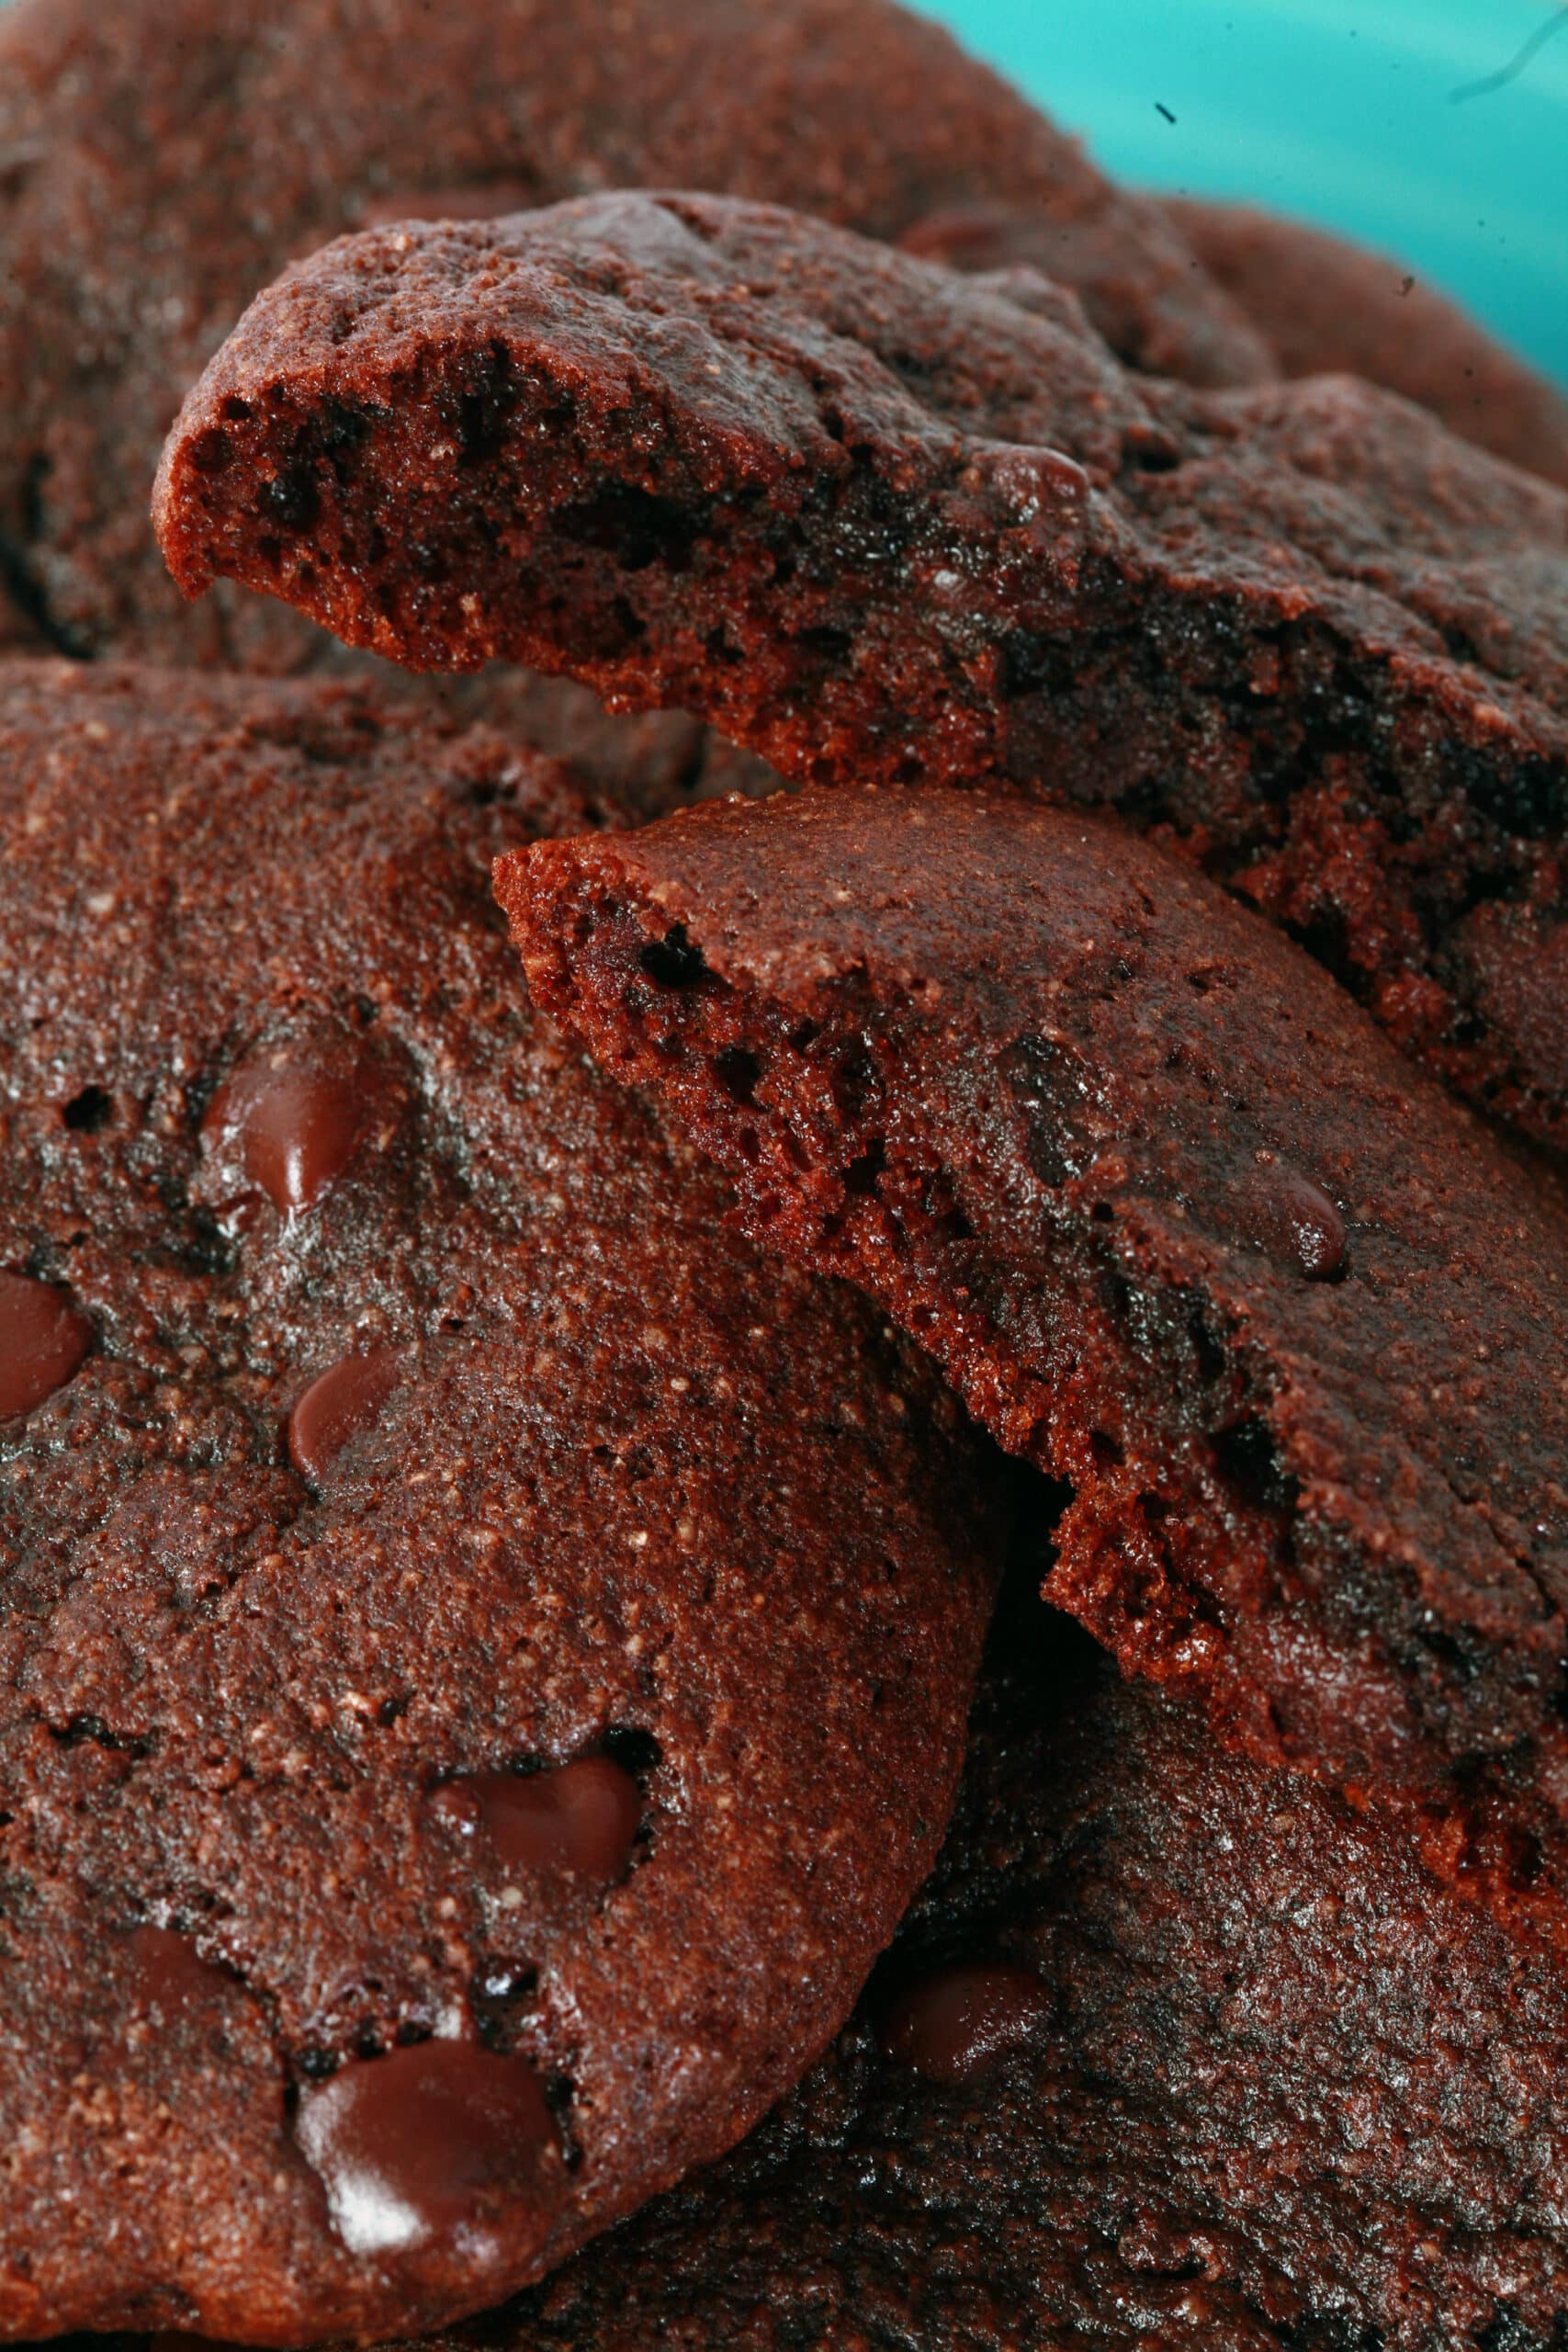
(293, 1123)
(339, 1405)
(954, 2024)
(42, 1341)
(582, 1819)
(424, 2144)
(1289, 1215)
(1037, 486)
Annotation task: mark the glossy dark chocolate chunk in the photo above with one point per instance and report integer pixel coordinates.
(293, 1123)
(42, 1340)
(340, 1403)
(425, 2142)
(1042, 487)
(582, 1819)
(1293, 1218)
(952, 2025)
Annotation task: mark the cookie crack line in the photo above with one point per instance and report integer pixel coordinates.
(1180, 1226)
(876, 520)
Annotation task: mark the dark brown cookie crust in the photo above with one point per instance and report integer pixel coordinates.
(876, 520)
(1326, 305)
(1180, 1226)
(1287, 2096)
(242, 1648)
(162, 159)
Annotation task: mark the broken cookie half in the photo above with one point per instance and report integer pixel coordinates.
(1181, 1226)
(875, 520)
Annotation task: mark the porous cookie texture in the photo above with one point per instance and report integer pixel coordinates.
(1170, 2053)
(876, 520)
(484, 1654)
(1181, 1226)
(1325, 304)
(160, 160)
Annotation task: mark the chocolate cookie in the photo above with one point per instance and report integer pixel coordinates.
(160, 160)
(875, 520)
(1199, 2060)
(1325, 304)
(631, 766)
(1180, 1226)
(456, 1768)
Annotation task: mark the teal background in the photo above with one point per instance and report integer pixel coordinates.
(1337, 110)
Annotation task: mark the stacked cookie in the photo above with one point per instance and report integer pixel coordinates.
(501, 1537)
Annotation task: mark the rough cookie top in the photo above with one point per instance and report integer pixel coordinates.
(442, 1563)
(1180, 1225)
(877, 520)
(162, 159)
(1199, 2060)
(1326, 305)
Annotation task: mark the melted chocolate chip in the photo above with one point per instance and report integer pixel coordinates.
(1294, 1218)
(582, 1819)
(293, 1124)
(42, 1340)
(339, 1405)
(952, 2026)
(1035, 485)
(425, 2142)
(166, 1978)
